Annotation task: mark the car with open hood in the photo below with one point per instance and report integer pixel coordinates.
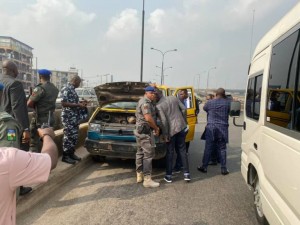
(111, 126)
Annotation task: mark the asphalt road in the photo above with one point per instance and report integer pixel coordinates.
(106, 193)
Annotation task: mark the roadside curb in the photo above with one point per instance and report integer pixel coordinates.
(60, 175)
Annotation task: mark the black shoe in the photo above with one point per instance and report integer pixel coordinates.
(68, 159)
(75, 157)
(202, 169)
(212, 163)
(25, 190)
(187, 177)
(224, 172)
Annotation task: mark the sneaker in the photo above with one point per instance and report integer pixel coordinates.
(187, 177)
(168, 179)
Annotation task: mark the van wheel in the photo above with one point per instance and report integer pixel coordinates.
(98, 158)
(258, 204)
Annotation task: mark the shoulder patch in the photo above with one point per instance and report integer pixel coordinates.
(11, 134)
(145, 106)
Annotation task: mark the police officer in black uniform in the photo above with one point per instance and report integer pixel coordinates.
(42, 100)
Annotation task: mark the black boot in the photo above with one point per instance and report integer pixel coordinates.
(25, 190)
(67, 158)
(75, 157)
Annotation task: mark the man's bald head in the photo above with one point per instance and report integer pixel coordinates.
(220, 93)
(10, 68)
(75, 80)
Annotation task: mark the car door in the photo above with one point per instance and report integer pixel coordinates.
(191, 110)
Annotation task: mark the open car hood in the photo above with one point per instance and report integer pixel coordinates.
(120, 91)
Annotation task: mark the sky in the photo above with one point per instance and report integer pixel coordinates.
(213, 38)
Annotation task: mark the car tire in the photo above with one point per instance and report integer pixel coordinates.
(258, 204)
(98, 158)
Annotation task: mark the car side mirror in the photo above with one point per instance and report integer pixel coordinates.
(235, 109)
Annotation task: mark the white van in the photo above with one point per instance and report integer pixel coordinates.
(271, 130)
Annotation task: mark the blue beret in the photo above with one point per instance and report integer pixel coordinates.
(1, 86)
(150, 88)
(44, 72)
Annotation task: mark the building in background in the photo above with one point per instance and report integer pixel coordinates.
(21, 54)
(59, 78)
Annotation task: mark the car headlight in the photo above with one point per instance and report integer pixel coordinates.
(94, 127)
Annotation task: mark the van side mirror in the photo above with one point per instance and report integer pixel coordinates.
(235, 109)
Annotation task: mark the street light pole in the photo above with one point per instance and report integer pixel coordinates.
(199, 76)
(162, 62)
(208, 77)
(142, 42)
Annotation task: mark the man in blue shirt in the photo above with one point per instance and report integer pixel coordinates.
(216, 130)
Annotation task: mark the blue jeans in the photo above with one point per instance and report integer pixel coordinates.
(178, 163)
(177, 140)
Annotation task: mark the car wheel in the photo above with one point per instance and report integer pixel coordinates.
(98, 158)
(258, 203)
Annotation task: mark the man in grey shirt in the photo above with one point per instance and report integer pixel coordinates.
(172, 114)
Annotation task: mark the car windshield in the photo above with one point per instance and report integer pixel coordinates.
(121, 105)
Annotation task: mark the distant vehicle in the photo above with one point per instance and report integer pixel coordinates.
(87, 94)
(83, 94)
(270, 161)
